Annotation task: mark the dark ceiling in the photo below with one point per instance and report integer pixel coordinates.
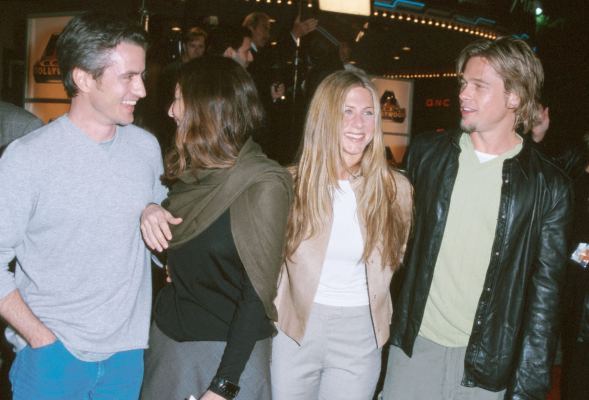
(562, 38)
(433, 49)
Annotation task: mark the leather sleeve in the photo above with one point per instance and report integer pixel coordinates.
(540, 328)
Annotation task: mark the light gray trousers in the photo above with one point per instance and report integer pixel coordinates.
(433, 372)
(338, 358)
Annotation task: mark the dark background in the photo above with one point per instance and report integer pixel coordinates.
(561, 40)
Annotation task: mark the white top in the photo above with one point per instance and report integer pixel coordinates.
(343, 276)
(484, 157)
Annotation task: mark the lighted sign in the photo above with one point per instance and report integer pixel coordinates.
(356, 7)
(437, 103)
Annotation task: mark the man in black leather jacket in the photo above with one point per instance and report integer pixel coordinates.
(477, 313)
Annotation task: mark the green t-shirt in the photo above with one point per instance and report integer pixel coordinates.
(465, 251)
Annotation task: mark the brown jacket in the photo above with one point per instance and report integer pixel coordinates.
(299, 277)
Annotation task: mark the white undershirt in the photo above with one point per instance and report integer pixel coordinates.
(343, 276)
(484, 157)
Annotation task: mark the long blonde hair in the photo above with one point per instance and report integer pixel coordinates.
(316, 174)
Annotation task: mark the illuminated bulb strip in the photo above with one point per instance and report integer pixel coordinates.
(438, 23)
(434, 75)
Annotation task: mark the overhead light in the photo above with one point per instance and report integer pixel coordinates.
(539, 11)
(356, 7)
(406, 48)
(396, 58)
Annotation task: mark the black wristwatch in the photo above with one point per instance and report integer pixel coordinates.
(224, 387)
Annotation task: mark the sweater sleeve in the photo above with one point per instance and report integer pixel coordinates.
(160, 192)
(17, 201)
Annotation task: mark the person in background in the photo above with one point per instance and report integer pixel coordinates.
(273, 72)
(213, 322)
(71, 196)
(477, 315)
(575, 333)
(194, 44)
(562, 150)
(162, 83)
(346, 236)
(14, 123)
(234, 43)
(345, 55)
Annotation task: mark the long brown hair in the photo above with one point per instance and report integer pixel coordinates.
(316, 174)
(221, 110)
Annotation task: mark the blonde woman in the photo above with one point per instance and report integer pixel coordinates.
(345, 238)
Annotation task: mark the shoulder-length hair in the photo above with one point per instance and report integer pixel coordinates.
(221, 110)
(316, 174)
(520, 69)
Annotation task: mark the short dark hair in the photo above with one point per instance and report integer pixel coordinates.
(87, 41)
(227, 36)
(221, 110)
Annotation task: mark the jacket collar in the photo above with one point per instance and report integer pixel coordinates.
(521, 160)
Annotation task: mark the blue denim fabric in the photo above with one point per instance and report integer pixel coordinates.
(52, 372)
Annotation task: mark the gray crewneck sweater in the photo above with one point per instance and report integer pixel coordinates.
(69, 212)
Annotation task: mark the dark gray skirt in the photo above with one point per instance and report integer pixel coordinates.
(176, 370)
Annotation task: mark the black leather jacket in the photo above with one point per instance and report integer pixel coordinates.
(515, 331)
(577, 288)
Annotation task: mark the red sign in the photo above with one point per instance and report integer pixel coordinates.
(437, 103)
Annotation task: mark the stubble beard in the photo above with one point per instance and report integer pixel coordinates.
(466, 128)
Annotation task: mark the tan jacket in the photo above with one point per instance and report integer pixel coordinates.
(299, 277)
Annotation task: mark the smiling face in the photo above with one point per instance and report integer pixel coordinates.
(485, 106)
(358, 125)
(111, 98)
(176, 110)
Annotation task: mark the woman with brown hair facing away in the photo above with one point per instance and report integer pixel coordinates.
(345, 237)
(212, 327)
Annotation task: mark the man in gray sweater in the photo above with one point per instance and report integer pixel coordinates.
(71, 197)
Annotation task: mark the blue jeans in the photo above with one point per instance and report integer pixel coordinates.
(52, 372)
